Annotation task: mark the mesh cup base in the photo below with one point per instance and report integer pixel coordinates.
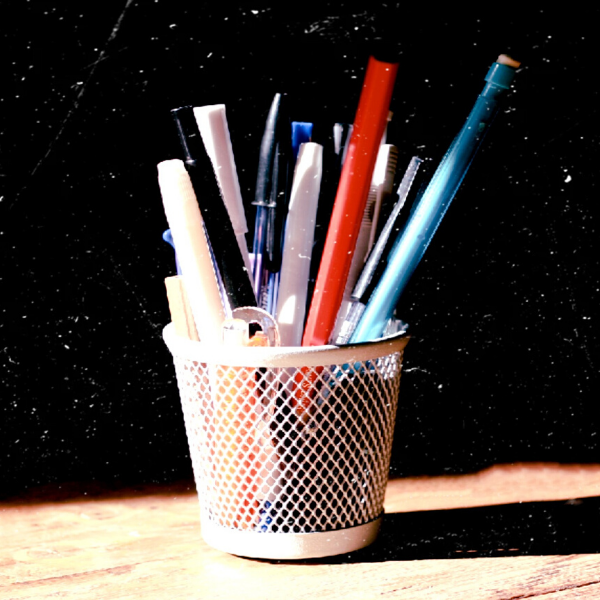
(289, 546)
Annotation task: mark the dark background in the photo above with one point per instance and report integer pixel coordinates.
(502, 363)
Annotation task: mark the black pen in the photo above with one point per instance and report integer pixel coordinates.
(226, 252)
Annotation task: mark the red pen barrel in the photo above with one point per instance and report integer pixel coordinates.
(350, 201)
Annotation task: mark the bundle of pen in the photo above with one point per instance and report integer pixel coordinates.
(335, 244)
(363, 264)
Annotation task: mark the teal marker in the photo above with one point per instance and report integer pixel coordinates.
(434, 203)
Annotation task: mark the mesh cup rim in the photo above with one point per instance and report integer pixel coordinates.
(283, 356)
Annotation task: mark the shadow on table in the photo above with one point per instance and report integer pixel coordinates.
(535, 528)
(76, 491)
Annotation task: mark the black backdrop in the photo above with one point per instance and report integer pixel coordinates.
(502, 363)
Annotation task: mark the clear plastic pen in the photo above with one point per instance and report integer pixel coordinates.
(359, 292)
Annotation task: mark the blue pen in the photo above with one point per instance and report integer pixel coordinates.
(262, 196)
(301, 133)
(271, 198)
(167, 236)
(434, 203)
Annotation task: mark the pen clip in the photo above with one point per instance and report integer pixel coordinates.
(252, 314)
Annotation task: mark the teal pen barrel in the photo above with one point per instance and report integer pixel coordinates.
(426, 217)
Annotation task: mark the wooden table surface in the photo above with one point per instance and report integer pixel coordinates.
(511, 531)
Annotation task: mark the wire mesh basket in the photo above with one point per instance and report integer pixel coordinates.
(290, 446)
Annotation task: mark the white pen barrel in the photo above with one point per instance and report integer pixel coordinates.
(297, 247)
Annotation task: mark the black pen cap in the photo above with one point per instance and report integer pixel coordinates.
(189, 134)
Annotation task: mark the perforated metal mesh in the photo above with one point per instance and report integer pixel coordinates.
(290, 449)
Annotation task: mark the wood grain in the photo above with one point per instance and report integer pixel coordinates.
(500, 484)
(149, 546)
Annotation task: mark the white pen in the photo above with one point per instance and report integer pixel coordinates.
(297, 247)
(193, 252)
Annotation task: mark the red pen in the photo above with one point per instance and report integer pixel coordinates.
(350, 201)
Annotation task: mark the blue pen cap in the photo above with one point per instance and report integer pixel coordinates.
(301, 133)
(500, 75)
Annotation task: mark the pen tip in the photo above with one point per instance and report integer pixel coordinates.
(505, 59)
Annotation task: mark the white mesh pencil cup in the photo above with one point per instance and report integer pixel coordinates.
(290, 446)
